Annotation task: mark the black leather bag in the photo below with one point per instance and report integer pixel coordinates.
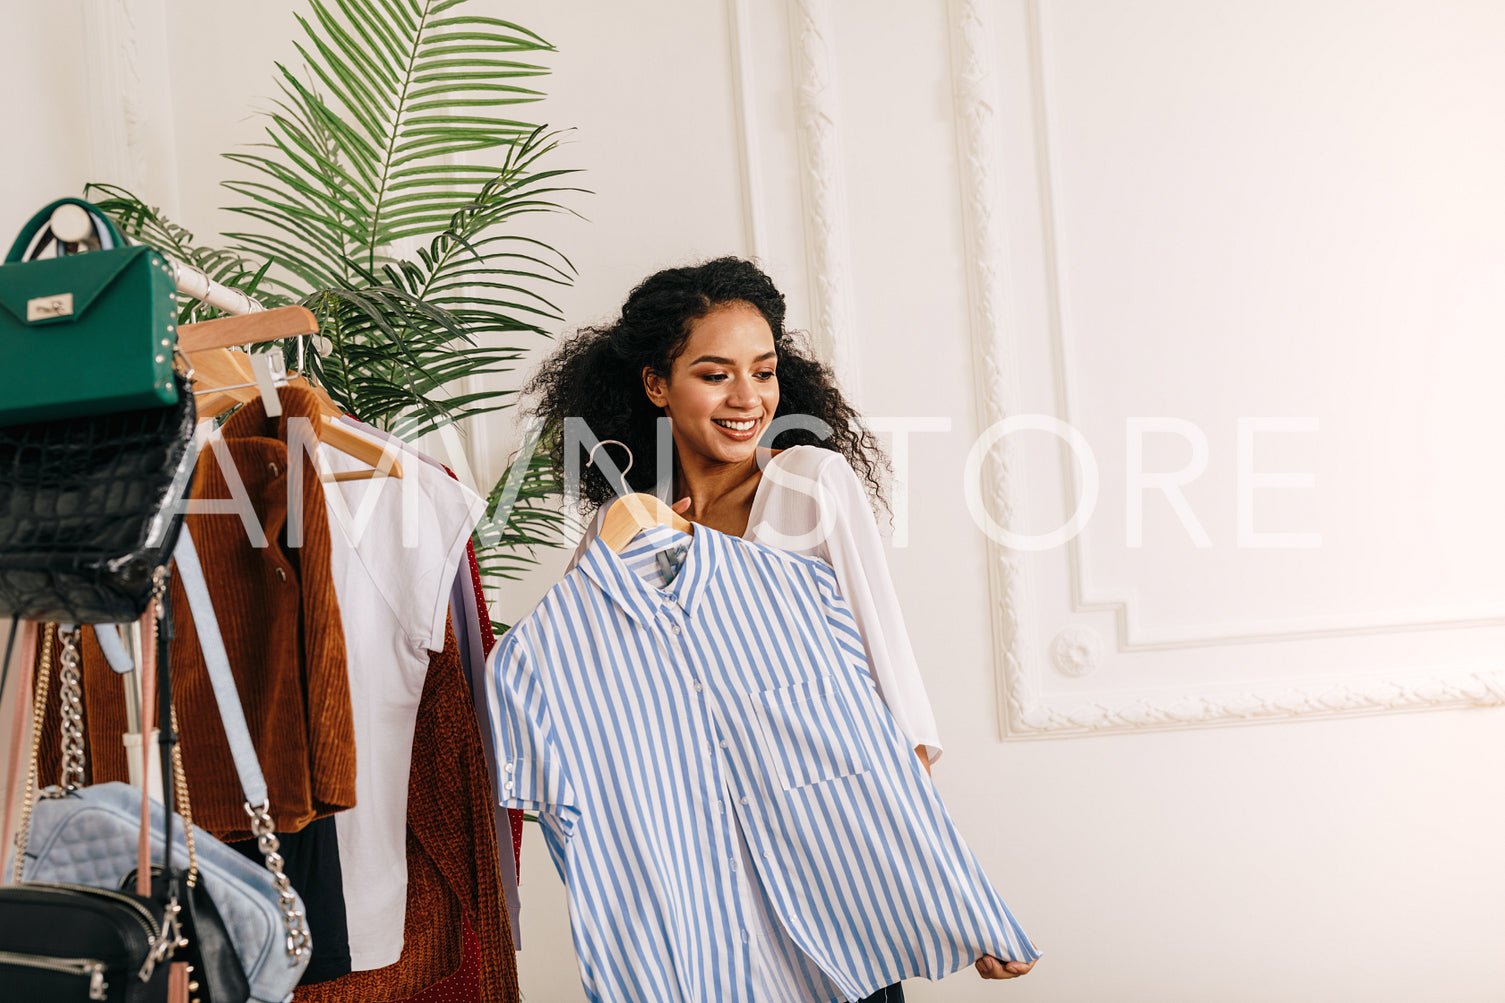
(64, 943)
(218, 974)
(61, 943)
(88, 511)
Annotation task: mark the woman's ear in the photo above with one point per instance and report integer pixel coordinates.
(654, 387)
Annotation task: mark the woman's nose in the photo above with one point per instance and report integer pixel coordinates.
(744, 394)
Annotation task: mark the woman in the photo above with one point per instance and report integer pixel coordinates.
(706, 347)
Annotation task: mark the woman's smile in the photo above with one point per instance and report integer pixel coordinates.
(739, 429)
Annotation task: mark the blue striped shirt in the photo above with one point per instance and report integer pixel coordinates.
(657, 727)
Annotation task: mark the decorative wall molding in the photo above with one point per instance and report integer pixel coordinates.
(975, 83)
(1264, 703)
(823, 182)
(1122, 601)
(1077, 651)
(1135, 635)
(1024, 710)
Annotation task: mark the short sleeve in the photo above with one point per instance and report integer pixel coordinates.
(409, 533)
(533, 773)
(817, 506)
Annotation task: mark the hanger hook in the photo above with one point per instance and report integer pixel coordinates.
(591, 458)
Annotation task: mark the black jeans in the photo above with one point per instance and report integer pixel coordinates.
(893, 994)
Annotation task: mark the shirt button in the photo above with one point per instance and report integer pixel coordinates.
(766, 854)
(721, 807)
(509, 767)
(507, 786)
(674, 628)
(744, 936)
(734, 863)
(746, 800)
(724, 745)
(698, 687)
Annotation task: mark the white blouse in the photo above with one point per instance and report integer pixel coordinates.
(810, 502)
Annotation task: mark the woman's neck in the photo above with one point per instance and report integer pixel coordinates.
(721, 494)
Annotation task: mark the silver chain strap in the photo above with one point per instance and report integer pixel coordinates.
(70, 701)
(298, 942)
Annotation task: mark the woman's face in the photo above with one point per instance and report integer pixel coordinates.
(723, 389)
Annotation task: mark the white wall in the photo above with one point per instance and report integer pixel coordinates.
(46, 142)
(1194, 210)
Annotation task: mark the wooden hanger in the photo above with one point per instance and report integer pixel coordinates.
(631, 514)
(206, 344)
(227, 380)
(381, 457)
(248, 329)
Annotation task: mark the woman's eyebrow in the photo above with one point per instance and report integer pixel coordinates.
(720, 361)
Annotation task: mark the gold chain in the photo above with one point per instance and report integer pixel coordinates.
(180, 784)
(38, 710)
(179, 778)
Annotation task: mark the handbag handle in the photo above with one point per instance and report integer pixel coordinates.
(252, 784)
(104, 227)
(191, 574)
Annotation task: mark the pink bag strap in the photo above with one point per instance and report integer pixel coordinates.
(148, 675)
(24, 660)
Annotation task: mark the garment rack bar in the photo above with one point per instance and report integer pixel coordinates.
(194, 282)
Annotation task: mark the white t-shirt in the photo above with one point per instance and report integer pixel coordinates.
(394, 549)
(810, 502)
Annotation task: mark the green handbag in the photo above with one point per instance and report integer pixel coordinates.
(85, 333)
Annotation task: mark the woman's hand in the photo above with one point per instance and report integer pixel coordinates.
(990, 967)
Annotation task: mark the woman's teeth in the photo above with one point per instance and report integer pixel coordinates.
(735, 426)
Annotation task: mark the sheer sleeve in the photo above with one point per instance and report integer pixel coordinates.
(815, 505)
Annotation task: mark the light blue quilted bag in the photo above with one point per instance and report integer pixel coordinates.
(88, 836)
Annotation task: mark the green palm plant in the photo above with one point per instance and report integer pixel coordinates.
(386, 198)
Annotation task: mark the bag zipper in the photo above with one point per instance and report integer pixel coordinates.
(69, 966)
(160, 942)
(143, 915)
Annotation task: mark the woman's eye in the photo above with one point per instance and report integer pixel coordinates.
(714, 377)
(767, 375)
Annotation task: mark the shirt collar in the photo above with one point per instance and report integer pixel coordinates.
(636, 597)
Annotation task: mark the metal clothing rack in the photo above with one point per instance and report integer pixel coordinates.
(195, 282)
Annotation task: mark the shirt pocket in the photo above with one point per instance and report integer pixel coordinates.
(809, 732)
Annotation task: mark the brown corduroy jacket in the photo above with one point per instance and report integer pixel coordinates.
(280, 619)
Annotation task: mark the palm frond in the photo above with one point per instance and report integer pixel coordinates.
(386, 196)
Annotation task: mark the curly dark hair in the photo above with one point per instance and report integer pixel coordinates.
(596, 375)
